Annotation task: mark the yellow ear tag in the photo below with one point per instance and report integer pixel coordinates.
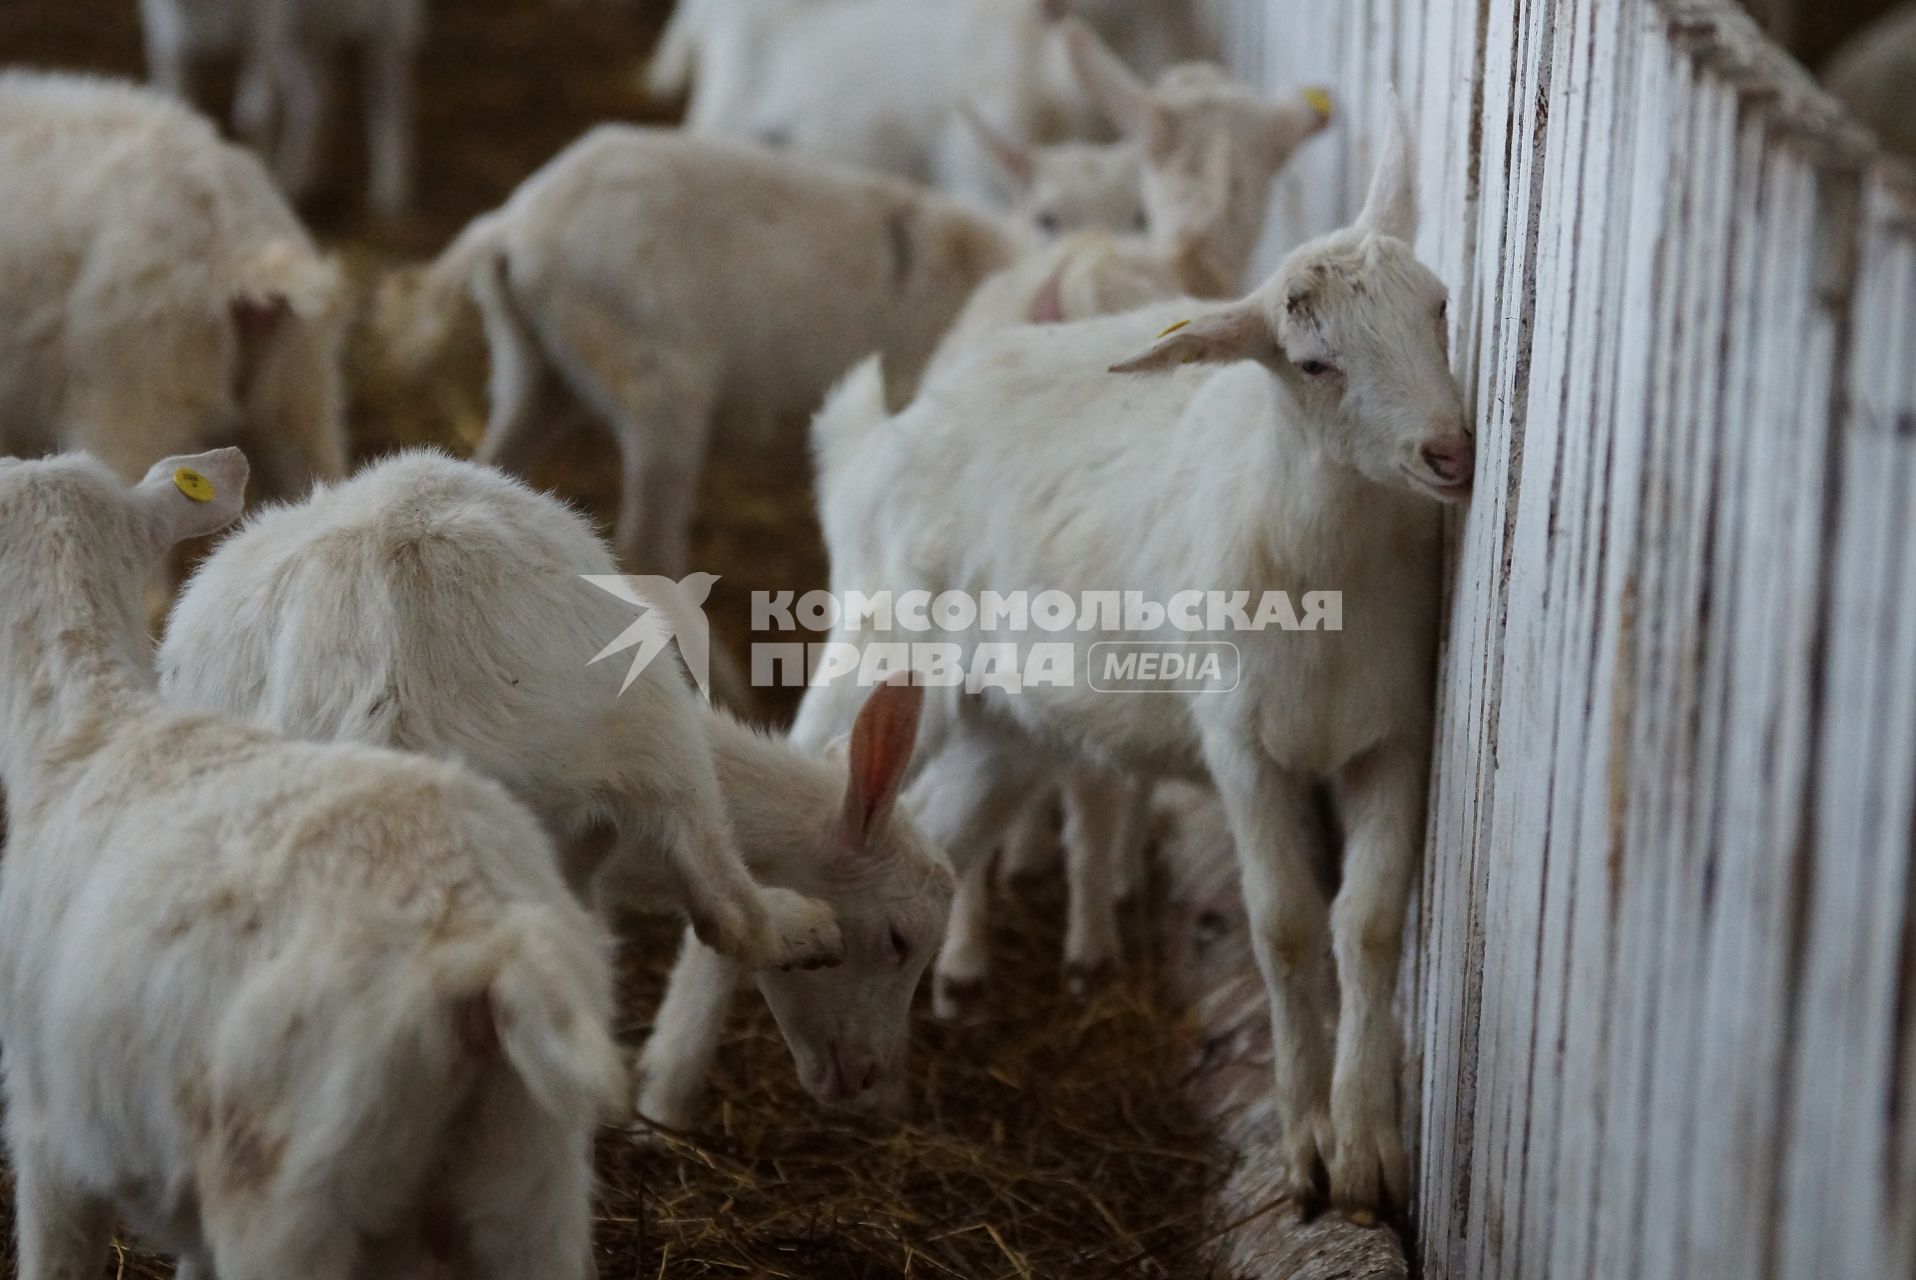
(1320, 101)
(1174, 328)
(193, 484)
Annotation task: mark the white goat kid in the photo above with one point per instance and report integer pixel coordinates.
(1067, 186)
(157, 296)
(1310, 463)
(1211, 147)
(286, 48)
(286, 1009)
(437, 606)
(434, 605)
(664, 282)
(893, 898)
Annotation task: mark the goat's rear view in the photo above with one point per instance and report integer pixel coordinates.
(336, 1023)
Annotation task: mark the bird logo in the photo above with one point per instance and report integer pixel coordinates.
(669, 611)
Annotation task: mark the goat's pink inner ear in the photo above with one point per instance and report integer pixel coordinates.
(1047, 305)
(882, 742)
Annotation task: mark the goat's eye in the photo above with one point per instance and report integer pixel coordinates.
(1314, 369)
(1142, 222)
(1048, 222)
(899, 946)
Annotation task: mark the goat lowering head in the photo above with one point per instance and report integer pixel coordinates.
(892, 889)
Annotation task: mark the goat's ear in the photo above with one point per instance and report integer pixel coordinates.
(1013, 157)
(1391, 207)
(882, 740)
(1239, 332)
(1294, 121)
(1047, 305)
(1112, 85)
(192, 495)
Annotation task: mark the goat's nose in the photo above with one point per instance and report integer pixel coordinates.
(848, 1073)
(1451, 458)
(858, 1071)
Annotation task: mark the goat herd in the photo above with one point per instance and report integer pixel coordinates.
(304, 961)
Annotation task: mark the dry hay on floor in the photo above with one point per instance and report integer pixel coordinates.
(1052, 1140)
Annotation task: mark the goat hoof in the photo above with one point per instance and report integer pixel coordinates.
(1087, 977)
(958, 1000)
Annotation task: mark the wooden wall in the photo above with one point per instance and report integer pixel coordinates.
(1663, 984)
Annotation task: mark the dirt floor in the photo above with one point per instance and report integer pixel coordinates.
(1051, 1141)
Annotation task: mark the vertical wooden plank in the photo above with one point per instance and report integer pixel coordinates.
(1626, 402)
(1669, 981)
(1851, 1032)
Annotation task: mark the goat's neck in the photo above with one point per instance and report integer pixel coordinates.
(73, 662)
(1319, 520)
(784, 804)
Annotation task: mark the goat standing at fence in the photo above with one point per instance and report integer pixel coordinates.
(1315, 460)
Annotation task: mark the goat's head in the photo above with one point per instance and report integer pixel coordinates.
(1069, 186)
(1210, 149)
(1357, 328)
(892, 890)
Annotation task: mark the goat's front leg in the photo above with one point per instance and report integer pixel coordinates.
(685, 1037)
(762, 926)
(677, 847)
(1381, 802)
(1268, 808)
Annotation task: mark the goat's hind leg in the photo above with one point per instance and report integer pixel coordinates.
(523, 1194)
(1269, 810)
(527, 402)
(963, 800)
(659, 400)
(63, 1230)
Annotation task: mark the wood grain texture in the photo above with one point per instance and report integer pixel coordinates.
(1663, 980)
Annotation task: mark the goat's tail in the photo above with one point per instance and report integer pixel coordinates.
(852, 413)
(541, 999)
(415, 308)
(284, 273)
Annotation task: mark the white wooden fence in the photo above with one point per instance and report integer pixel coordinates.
(1663, 994)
